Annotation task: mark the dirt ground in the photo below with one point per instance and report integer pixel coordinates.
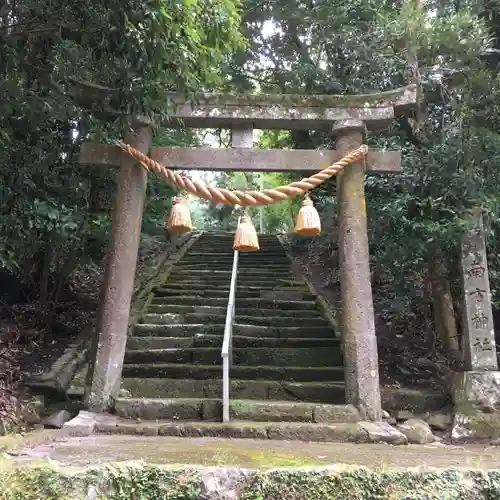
(103, 449)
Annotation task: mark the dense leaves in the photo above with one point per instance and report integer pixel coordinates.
(57, 61)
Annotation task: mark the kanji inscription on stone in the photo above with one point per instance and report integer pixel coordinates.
(479, 336)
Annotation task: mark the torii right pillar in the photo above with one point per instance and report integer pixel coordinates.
(358, 321)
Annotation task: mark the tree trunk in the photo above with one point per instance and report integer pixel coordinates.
(444, 313)
(45, 277)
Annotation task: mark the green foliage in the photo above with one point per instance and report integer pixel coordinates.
(450, 153)
(35, 484)
(58, 60)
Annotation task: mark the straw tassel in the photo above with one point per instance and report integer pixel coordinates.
(246, 239)
(179, 220)
(308, 221)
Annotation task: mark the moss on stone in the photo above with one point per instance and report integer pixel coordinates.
(388, 98)
(140, 481)
(359, 484)
(479, 425)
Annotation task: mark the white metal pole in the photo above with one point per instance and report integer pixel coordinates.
(261, 179)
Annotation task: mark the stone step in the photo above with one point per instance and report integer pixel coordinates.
(200, 372)
(217, 248)
(185, 284)
(227, 272)
(201, 340)
(264, 260)
(223, 247)
(219, 319)
(315, 392)
(248, 356)
(219, 266)
(262, 281)
(255, 331)
(214, 276)
(214, 253)
(243, 303)
(178, 409)
(344, 432)
(267, 262)
(227, 253)
(211, 242)
(201, 292)
(253, 312)
(263, 242)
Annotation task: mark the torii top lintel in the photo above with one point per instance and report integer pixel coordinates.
(291, 111)
(265, 111)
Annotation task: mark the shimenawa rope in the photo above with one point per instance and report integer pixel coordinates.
(243, 198)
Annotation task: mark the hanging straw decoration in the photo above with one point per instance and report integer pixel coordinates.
(246, 239)
(308, 221)
(179, 220)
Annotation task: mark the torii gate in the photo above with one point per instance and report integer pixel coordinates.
(347, 117)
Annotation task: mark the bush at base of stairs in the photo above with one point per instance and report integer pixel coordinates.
(146, 482)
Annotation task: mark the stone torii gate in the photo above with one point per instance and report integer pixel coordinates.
(348, 118)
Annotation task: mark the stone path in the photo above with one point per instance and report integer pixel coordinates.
(100, 449)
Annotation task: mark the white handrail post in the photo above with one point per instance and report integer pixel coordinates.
(227, 343)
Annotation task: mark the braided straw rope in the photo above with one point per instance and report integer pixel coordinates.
(243, 198)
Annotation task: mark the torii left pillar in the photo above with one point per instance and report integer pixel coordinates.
(108, 350)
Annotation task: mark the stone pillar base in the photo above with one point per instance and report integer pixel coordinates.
(476, 397)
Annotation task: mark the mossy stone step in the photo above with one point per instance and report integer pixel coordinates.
(219, 319)
(200, 372)
(289, 431)
(224, 248)
(239, 409)
(213, 276)
(241, 311)
(261, 282)
(223, 267)
(268, 261)
(263, 243)
(256, 331)
(207, 284)
(243, 303)
(201, 340)
(201, 292)
(144, 343)
(315, 392)
(263, 259)
(261, 270)
(227, 253)
(248, 356)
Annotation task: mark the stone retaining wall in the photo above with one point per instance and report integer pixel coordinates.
(141, 481)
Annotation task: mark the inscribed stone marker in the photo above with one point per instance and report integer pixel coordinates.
(479, 335)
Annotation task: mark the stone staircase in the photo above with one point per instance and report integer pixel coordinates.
(287, 362)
